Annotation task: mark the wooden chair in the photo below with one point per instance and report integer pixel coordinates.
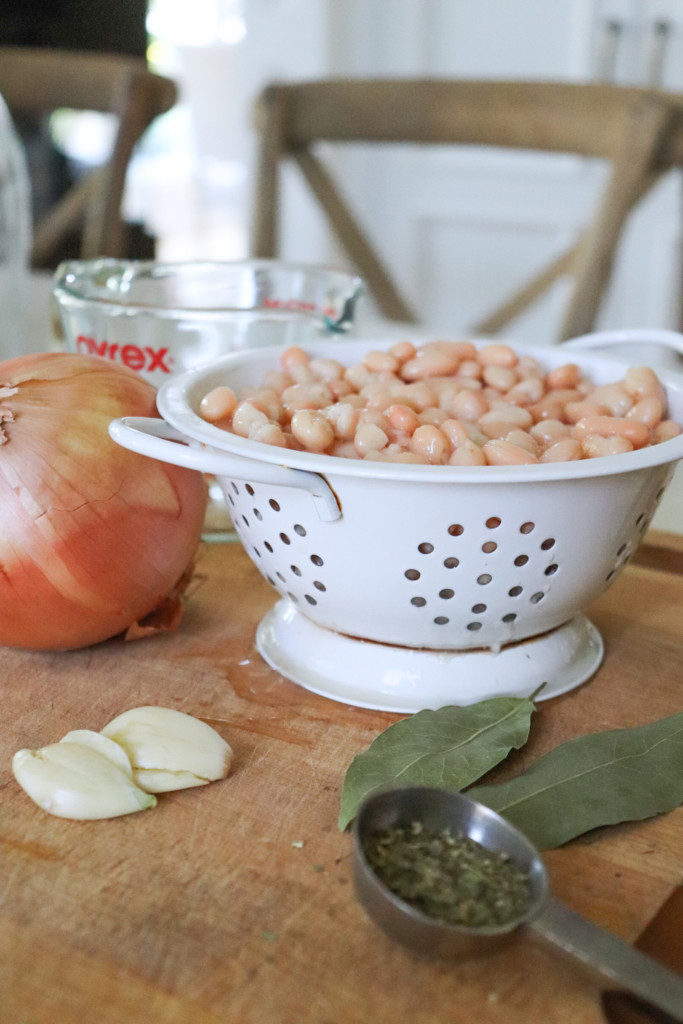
(39, 81)
(639, 130)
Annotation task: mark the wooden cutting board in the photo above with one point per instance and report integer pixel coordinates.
(233, 904)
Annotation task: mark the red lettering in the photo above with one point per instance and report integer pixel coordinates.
(156, 360)
(92, 347)
(133, 357)
(289, 304)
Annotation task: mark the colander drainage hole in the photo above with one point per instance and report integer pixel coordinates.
(296, 570)
(285, 539)
(527, 527)
(510, 617)
(319, 586)
(521, 559)
(484, 579)
(268, 546)
(280, 577)
(257, 552)
(245, 520)
(515, 591)
(249, 489)
(298, 528)
(538, 596)
(231, 499)
(441, 620)
(478, 609)
(473, 626)
(317, 560)
(411, 574)
(489, 547)
(550, 570)
(493, 523)
(234, 487)
(419, 602)
(548, 543)
(446, 594)
(425, 548)
(257, 514)
(456, 530)
(451, 563)
(274, 505)
(311, 600)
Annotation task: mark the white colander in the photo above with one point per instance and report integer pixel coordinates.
(408, 586)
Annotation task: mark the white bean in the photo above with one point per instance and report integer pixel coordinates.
(467, 454)
(327, 369)
(378, 362)
(594, 446)
(268, 433)
(369, 438)
(637, 433)
(305, 396)
(665, 431)
(567, 449)
(218, 404)
(344, 419)
(311, 429)
(648, 410)
(499, 452)
(502, 378)
(498, 355)
(429, 444)
(245, 417)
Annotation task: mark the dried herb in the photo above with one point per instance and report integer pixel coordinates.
(451, 747)
(451, 878)
(595, 780)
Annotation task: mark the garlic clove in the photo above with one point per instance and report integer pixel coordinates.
(170, 750)
(70, 780)
(103, 745)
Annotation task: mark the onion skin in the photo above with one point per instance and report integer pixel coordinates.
(92, 536)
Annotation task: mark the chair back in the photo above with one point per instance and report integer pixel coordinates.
(38, 81)
(639, 131)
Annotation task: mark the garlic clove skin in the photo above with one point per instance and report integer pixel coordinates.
(169, 749)
(70, 780)
(108, 748)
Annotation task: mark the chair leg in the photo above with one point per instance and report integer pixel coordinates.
(265, 242)
(356, 244)
(632, 168)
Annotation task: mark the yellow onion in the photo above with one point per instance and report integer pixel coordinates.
(92, 537)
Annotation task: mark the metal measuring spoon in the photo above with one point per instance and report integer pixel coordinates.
(546, 918)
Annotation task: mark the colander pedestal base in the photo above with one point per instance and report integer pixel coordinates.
(405, 679)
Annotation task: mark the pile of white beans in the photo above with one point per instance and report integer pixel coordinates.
(445, 403)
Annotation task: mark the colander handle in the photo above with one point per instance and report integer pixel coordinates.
(633, 336)
(159, 440)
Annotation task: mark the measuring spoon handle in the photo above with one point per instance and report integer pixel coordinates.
(609, 957)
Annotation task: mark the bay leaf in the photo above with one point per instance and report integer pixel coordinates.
(600, 779)
(453, 747)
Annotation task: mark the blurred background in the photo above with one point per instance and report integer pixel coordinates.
(189, 186)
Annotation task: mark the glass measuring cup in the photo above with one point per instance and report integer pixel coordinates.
(163, 318)
(546, 919)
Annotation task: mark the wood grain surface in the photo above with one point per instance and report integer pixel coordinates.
(233, 903)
